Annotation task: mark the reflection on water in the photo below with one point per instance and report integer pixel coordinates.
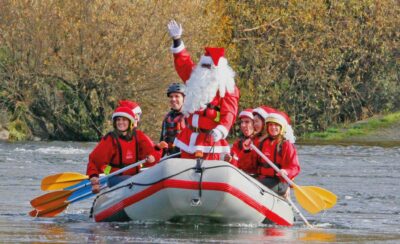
(362, 177)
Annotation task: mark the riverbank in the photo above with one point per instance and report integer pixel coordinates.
(379, 130)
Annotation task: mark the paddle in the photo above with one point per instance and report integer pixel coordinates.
(49, 205)
(62, 180)
(328, 197)
(53, 208)
(312, 201)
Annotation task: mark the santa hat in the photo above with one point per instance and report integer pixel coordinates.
(263, 111)
(124, 112)
(283, 120)
(248, 112)
(137, 111)
(212, 56)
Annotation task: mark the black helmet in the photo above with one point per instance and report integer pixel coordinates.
(176, 87)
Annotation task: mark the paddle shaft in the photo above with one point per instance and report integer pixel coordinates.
(299, 213)
(290, 182)
(115, 173)
(284, 176)
(60, 207)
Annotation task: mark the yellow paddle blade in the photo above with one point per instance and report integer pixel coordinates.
(308, 199)
(328, 197)
(50, 197)
(62, 180)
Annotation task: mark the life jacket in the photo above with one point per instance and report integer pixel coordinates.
(109, 168)
(264, 168)
(172, 125)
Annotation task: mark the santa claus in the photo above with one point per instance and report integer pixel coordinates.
(211, 99)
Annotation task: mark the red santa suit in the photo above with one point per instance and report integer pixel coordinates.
(206, 110)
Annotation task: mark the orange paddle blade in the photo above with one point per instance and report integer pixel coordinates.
(52, 211)
(52, 204)
(61, 180)
(50, 197)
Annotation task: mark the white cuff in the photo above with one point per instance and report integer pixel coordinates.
(178, 49)
(223, 130)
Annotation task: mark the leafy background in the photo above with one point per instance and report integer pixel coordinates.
(65, 64)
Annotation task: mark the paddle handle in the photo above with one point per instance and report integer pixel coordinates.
(284, 176)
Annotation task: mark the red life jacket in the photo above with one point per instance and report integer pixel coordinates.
(121, 164)
(273, 152)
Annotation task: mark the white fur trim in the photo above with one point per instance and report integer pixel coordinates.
(178, 49)
(261, 112)
(191, 148)
(122, 114)
(203, 85)
(195, 120)
(289, 134)
(223, 130)
(206, 60)
(246, 114)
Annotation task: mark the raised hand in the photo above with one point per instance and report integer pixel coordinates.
(175, 30)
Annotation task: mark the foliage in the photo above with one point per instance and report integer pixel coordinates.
(69, 62)
(323, 62)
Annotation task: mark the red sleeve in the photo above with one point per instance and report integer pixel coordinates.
(235, 152)
(183, 64)
(228, 111)
(100, 156)
(290, 161)
(146, 147)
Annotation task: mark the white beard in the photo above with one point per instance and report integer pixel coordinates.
(203, 85)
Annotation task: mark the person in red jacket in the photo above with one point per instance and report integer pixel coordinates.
(123, 146)
(211, 99)
(237, 151)
(248, 159)
(278, 145)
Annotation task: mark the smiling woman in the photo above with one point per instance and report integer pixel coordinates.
(122, 124)
(124, 146)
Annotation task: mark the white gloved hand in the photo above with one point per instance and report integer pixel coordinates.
(175, 29)
(217, 135)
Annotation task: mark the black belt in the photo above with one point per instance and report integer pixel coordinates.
(198, 130)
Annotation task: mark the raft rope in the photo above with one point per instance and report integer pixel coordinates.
(131, 184)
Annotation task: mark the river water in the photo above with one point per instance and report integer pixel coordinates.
(366, 180)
